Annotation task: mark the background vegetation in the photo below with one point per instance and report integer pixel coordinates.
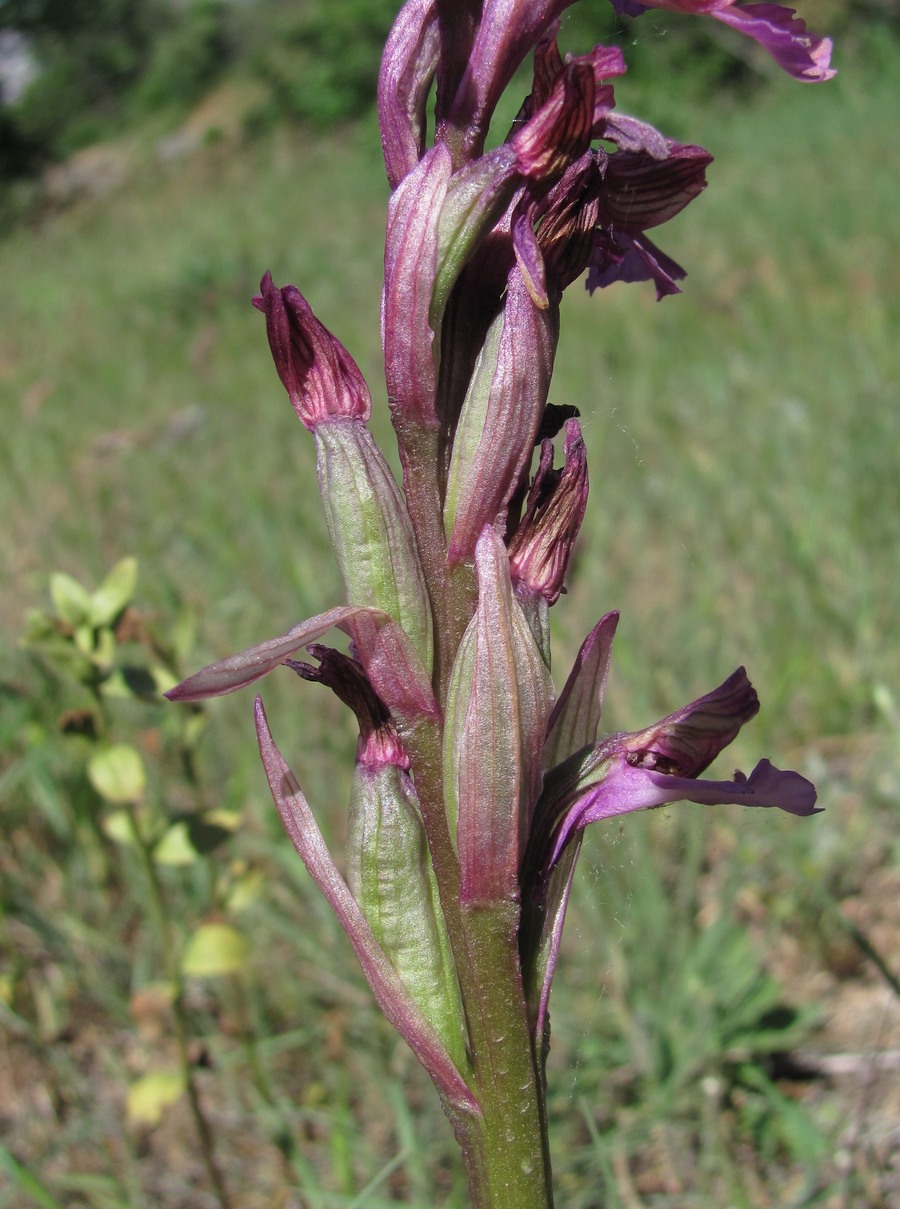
(726, 1011)
(102, 66)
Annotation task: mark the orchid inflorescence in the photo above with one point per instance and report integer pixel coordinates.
(473, 781)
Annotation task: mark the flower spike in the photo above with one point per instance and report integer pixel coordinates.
(472, 787)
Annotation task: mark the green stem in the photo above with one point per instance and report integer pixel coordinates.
(280, 1130)
(166, 940)
(506, 1150)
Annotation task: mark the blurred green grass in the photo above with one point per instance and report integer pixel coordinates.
(745, 508)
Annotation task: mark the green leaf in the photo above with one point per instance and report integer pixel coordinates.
(151, 1095)
(116, 591)
(29, 1183)
(104, 655)
(175, 847)
(114, 687)
(193, 729)
(118, 774)
(118, 827)
(162, 679)
(214, 950)
(245, 890)
(84, 639)
(72, 600)
(183, 633)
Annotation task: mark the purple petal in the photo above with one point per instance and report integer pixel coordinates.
(687, 742)
(321, 378)
(604, 62)
(644, 191)
(631, 134)
(542, 544)
(529, 257)
(394, 670)
(576, 716)
(566, 220)
(623, 788)
(560, 131)
(766, 786)
(632, 258)
(785, 37)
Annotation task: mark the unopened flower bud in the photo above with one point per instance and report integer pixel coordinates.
(541, 546)
(321, 378)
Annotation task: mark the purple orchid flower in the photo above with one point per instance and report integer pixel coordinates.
(660, 765)
(597, 215)
(627, 772)
(774, 27)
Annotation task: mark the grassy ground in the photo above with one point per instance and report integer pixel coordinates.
(745, 509)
